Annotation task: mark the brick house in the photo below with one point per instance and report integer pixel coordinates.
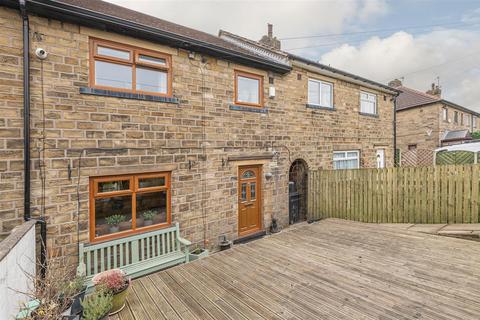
(137, 117)
(425, 122)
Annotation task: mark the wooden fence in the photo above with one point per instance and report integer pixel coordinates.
(435, 194)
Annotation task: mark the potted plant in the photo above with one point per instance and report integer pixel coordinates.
(113, 221)
(75, 291)
(116, 283)
(198, 253)
(97, 305)
(140, 221)
(125, 225)
(161, 217)
(148, 215)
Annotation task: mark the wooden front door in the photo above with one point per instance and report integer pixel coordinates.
(249, 199)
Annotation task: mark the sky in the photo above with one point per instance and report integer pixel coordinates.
(419, 41)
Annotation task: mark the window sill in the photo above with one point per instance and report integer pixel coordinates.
(373, 115)
(248, 109)
(314, 106)
(128, 95)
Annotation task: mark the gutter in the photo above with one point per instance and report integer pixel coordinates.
(26, 110)
(395, 162)
(343, 74)
(65, 12)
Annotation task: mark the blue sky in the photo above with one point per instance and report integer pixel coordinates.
(418, 55)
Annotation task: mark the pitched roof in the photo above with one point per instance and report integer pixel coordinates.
(280, 55)
(114, 18)
(411, 98)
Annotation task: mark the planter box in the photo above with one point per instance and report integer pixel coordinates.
(194, 256)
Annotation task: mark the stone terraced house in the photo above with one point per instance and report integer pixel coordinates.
(426, 121)
(134, 123)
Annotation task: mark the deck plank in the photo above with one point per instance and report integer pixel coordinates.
(333, 269)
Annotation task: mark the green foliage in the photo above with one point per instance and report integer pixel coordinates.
(476, 135)
(115, 219)
(149, 214)
(96, 305)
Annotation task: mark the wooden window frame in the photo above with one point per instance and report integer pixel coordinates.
(260, 88)
(132, 191)
(133, 61)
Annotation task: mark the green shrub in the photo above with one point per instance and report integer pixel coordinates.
(149, 214)
(96, 305)
(115, 219)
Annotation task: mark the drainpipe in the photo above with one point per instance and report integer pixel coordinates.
(26, 110)
(26, 139)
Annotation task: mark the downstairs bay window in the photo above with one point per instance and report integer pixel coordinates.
(128, 204)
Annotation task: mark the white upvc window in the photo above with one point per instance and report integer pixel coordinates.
(467, 119)
(445, 114)
(320, 93)
(474, 121)
(346, 159)
(368, 103)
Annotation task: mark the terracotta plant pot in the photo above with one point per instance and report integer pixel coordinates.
(125, 225)
(159, 218)
(148, 222)
(118, 300)
(140, 222)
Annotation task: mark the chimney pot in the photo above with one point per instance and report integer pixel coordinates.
(395, 83)
(270, 30)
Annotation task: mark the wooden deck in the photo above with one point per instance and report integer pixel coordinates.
(333, 269)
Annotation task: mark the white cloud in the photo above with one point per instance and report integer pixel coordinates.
(249, 18)
(452, 55)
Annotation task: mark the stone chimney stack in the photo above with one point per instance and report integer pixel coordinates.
(435, 90)
(269, 40)
(395, 83)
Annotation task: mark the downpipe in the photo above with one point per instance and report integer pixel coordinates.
(26, 139)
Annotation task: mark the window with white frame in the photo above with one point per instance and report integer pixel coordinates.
(445, 114)
(474, 121)
(346, 159)
(320, 93)
(467, 119)
(368, 103)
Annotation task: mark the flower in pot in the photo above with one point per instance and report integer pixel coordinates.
(116, 283)
(148, 216)
(97, 305)
(113, 221)
(75, 290)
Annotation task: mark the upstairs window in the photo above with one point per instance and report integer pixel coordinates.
(455, 117)
(445, 114)
(119, 67)
(320, 93)
(346, 160)
(248, 89)
(368, 103)
(467, 119)
(474, 121)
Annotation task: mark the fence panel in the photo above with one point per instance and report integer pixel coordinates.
(435, 194)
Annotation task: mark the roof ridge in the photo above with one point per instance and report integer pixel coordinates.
(420, 92)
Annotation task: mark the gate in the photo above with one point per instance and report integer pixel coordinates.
(297, 192)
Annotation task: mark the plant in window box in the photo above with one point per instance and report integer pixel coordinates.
(116, 283)
(197, 253)
(148, 215)
(114, 221)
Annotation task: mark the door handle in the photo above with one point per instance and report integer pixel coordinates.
(249, 205)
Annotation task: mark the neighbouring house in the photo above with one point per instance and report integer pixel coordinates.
(426, 121)
(135, 119)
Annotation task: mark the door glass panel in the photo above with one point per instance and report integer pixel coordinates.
(115, 53)
(110, 186)
(248, 174)
(244, 192)
(151, 208)
(253, 191)
(113, 75)
(113, 215)
(151, 182)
